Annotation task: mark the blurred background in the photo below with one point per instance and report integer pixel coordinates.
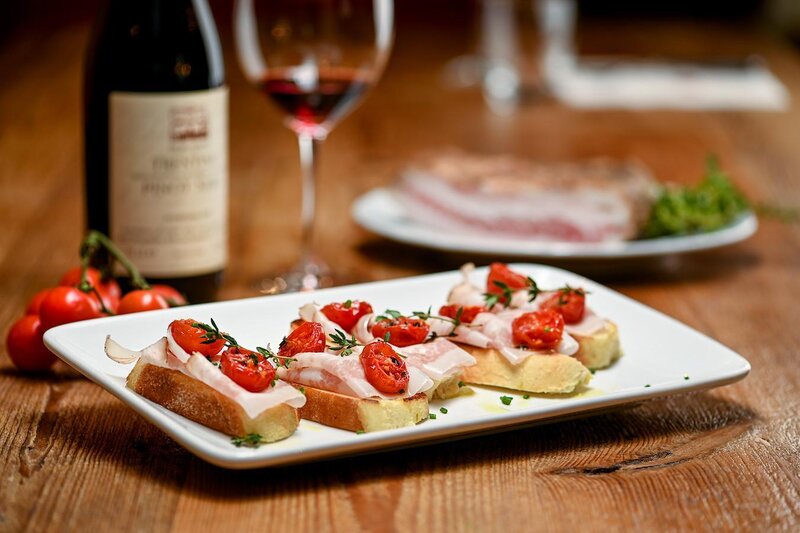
(437, 90)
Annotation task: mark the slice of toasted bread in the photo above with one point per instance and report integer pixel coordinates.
(362, 414)
(197, 401)
(599, 349)
(551, 374)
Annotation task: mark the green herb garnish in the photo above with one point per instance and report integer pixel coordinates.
(251, 440)
(213, 334)
(432, 416)
(340, 342)
(711, 204)
(526, 396)
(506, 399)
(443, 410)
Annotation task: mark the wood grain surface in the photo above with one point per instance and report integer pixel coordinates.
(76, 459)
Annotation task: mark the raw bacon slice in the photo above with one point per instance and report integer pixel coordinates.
(594, 201)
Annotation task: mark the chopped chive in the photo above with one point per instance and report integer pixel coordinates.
(686, 376)
(506, 399)
(461, 384)
(526, 396)
(443, 410)
(360, 432)
(647, 386)
(432, 416)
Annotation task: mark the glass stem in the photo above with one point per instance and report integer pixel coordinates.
(309, 148)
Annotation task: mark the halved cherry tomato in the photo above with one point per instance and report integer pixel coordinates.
(539, 330)
(346, 314)
(250, 370)
(403, 331)
(63, 305)
(468, 312)
(192, 338)
(307, 337)
(35, 304)
(499, 272)
(383, 368)
(571, 303)
(173, 297)
(141, 300)
(25, 346)
(108, 289)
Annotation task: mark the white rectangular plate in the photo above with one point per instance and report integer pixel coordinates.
(662, 356)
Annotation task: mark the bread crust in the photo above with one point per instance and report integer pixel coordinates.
(197, 401)
(363, 414)
(547, 374)
(600, 349)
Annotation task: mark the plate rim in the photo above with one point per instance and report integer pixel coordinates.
(744, 227)
(245, 458)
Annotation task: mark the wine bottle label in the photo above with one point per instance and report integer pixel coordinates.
(168, 180)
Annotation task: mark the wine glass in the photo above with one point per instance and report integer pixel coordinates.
(315, 59)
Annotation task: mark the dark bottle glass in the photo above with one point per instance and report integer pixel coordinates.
(156, 140)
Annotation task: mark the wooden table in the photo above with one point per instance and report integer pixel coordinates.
(75, 458)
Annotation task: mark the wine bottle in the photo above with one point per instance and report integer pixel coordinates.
(156, 140)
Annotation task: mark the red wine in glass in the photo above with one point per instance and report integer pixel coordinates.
(310, 103)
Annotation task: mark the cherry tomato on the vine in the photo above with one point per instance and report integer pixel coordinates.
(539, 330)
(173, 297)
(571, 303)
(250, 370)
(402, 331)
(383, 368)
(108, 289)
(25, 346)
(347, 313)
(307, 337)
(63, 305)
(468, 312)
(35, 304)
(192, 338)
(141, 300)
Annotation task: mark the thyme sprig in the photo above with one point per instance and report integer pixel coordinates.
(343, 344)
(389, 314)
(269, 355)
(425, 315)
(504, 299)
(492, 299)
(213, 334)
(533, 289)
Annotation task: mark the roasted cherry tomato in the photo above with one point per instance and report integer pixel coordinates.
(383, 368)
(141, 300)
(571, 303)
(247, 368)
(539, 330)
(403, 331)
(63, 305)
(346, 314)
(25, 346)
(193, 338)
(307, 337)
(170, 294)
(108, 289)
(499, 272)
(468, 312)
(35, 304)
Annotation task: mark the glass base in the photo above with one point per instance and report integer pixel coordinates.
(307, 275)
